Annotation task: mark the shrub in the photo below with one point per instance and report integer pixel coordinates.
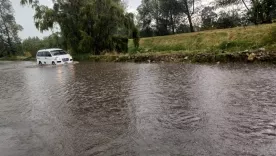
(136, 38)
(120, 44)
(27, 54)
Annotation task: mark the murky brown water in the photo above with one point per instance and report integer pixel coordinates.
(137, 109)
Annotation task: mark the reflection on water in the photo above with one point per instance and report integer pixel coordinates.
(137, 109)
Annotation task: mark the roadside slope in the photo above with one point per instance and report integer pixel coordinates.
(212, 41)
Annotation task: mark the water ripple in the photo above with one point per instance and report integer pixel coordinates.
(137, 109)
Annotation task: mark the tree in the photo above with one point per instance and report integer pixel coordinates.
(32, 45)
(228, 19)
(163, 17)
(208, 17)
(187, 6)
(259, 11)
(9, 39)
(145, 18)
(159, 17)
(170, 12)
(150, 18)
(86, 25)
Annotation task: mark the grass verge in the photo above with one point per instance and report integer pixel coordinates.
(212, 41)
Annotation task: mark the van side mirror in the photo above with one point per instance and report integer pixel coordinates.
(49, 55)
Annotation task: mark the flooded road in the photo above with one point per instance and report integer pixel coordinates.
(106, 109)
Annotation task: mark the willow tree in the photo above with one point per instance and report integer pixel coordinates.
(259, 11)
(9, 39)
(87, 25)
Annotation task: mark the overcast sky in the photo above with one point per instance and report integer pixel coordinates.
(24, 16)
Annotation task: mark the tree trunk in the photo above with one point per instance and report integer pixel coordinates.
(268, 11)
(187, 11)
(245, 5)
(172, 23)
(191, 24)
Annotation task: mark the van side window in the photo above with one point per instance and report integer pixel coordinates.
(47, 54)
(41, 54)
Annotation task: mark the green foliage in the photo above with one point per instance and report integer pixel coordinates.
(163, 17)
(27, 54)
(224, 19)
(208, 17)
(85, 42)
(228, 19)
(136, 38)
(9, 40)
(32, 45)
(120, 44)
(86, 25)
(258, 11)
(262, 11)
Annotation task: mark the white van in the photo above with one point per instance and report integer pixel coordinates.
(53, 56)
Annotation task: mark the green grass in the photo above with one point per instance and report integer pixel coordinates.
(212, 41)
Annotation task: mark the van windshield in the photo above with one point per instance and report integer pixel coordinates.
(58, 52)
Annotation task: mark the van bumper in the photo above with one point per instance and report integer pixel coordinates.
(67, 62)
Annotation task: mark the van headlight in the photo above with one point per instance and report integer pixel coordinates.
(57, 58)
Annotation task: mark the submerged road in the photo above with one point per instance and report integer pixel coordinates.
(106, 109)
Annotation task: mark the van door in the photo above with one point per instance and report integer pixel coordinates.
(42, 57)
(39, 57)
(48, 57)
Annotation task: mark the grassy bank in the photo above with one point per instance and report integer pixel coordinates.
(244, 56)
(212, 41)
(242, 44)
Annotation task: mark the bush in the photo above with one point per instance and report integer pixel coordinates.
(136, 38)
(120, 44)
(28, 54)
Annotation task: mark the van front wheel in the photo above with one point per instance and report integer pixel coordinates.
(53, 63)
(40, 63)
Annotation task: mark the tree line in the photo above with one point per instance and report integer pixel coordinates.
(86, 26)
(163, 17)
(9, 40)
(98, 26)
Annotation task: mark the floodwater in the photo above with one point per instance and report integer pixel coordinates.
(106, 109)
